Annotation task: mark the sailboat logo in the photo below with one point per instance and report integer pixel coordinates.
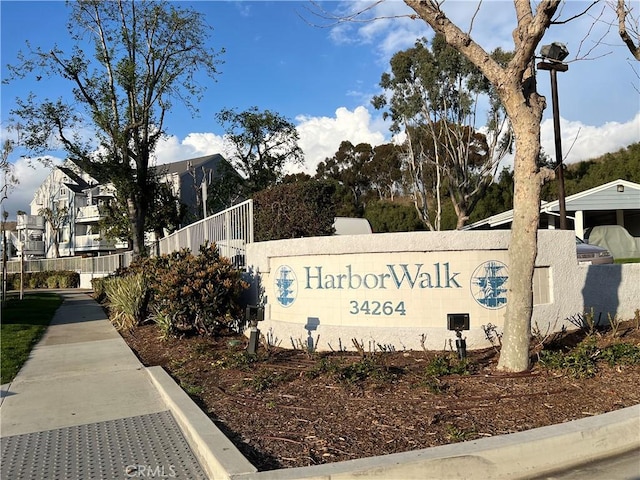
(286, 285)
(488, 284)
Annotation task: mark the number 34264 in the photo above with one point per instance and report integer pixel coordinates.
(373, 307)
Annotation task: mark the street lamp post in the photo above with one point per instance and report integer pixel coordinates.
(553, 55)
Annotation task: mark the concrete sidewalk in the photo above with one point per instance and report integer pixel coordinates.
(83, 406)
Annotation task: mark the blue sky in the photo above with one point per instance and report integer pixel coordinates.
(323, 78)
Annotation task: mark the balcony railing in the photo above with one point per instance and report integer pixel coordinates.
(91, 213)
(31, 222)
(92, 242)
(31, 247)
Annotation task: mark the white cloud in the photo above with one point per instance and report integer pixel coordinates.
(584, 142)
(171, 149)
(320, 137)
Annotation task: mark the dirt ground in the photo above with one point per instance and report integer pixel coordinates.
(288, 408)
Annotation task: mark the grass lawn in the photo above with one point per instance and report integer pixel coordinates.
(23, 324)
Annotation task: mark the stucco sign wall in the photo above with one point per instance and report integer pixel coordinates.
(392, 289)
(379, 289)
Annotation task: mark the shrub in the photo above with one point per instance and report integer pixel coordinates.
(580, 362)
(64, 281)
(621, 354)
(53, 281)
(366, 368)
(99, 289)
(127, 298)
(443, 365)
(48, 279)
(164, 322)
(200, 293)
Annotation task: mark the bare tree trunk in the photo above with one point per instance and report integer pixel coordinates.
(137, 227)
(514, 355)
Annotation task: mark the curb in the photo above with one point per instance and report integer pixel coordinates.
(514, 456)
(218, 456)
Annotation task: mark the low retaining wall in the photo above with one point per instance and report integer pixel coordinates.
(85, 279)
(396, 290)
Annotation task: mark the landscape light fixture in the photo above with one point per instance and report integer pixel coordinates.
(253, 315)
(459, 322)
(553, 55)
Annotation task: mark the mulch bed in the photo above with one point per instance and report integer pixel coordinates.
(291, 409)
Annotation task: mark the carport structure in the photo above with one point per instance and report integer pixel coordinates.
(614, 203)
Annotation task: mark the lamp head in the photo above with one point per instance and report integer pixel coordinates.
(556, 52)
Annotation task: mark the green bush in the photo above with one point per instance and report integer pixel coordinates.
(443, 365)
(187, 292)
(48, 279)
(127, 299)
(99, 289)
(370, 368)
(582, 361)
(200, 292)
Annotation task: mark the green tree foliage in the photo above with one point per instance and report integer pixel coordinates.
(167, 213)
(497, 199)
(347, 168)
(9, 180)
(146, 54)
(225, 189)
(115, 224)
(388, 216)
(431, 95)
(385, 171)
(362, 173)
(293, 210)
(263, 143)
(623, 164)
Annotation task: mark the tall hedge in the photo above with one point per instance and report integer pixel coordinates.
(293, 210)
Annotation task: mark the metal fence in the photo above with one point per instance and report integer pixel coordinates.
(105, 264)
(230, 230)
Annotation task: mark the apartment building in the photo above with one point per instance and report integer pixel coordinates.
(66, 209)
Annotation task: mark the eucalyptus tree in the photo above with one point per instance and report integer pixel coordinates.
(347, 167)
(384, 171)
(431, 95)
(262, 144)
(146, 56)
